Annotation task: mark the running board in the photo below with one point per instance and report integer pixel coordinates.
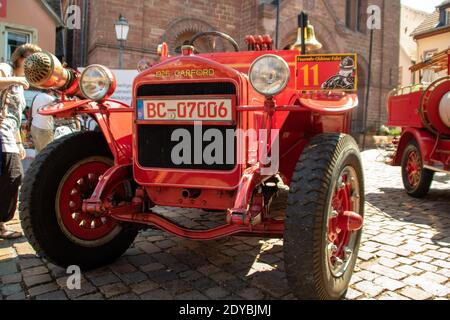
(437, 169)
(270, 228)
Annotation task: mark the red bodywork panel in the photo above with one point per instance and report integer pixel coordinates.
(403, 110)
(314, 114)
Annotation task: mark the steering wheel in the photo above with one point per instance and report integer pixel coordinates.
(214, 35)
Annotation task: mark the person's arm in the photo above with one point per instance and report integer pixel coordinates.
(19, 142)
(6, 82)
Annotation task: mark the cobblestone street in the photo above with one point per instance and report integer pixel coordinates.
(405, 254)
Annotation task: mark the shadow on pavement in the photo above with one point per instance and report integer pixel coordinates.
(433, 210)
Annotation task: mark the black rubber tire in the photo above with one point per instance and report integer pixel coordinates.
(426, 177)
(37, 205)
(311, 190)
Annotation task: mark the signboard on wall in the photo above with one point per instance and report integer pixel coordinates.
(124, 90)
(327, 72)
(3, 11)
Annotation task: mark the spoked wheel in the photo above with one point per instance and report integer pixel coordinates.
(76, 186)
(416, 179)
(341, 238)
(324, 218)
(57, 183)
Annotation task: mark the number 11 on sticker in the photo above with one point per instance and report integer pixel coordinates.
(306, 73)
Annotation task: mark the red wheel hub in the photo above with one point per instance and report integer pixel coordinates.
(413, 168)
(343, 221)
(77, 186)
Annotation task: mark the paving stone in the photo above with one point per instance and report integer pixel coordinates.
(18, 296)
(56, 295)
(115, 289)
(105, 279)
(123, 268)
(409, 270)
(11, 289)
(391, 296)
(191, 295)
(127, 296)
(425, 266)
(11, 278)
(35, 271)
(95, 296)
(384, 271)
(190, 275)
(415, 294)
(8, 267)
(404, 260)
(152, 267)
(143, 287)
(216, 293)
(368, 288)
(31, 281)
(133, 277)
(434, 277)
(42, 289)
(24, 249)
(388, 262)
(251, 294)
(431, 287)
(29, 263)
(353, 294)
(158, 294)
(149, 247)
(389, 284)
(441, 264)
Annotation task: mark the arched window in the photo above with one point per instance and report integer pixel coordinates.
(180, 32)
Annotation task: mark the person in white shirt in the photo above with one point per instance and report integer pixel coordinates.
(42, 127)
(12, 103)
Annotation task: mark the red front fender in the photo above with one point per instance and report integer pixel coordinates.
(425, 140)
(113, 117)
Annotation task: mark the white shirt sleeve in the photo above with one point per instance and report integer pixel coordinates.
(40, 121)
(41, 100)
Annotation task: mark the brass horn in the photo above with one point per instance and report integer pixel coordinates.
(311, 41)
(44, 71)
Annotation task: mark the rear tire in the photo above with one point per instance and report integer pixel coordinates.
(416, 179)
(45, 222)
(330, 166)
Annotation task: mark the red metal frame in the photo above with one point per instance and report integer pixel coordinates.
(296, 114)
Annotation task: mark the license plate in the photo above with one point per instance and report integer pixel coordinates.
(185, 109)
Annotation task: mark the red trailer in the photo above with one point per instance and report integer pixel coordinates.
(423, 111)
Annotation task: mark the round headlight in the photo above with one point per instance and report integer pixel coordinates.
(97, 82)
(269, 75)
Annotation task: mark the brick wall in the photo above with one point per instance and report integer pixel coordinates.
(154, 21)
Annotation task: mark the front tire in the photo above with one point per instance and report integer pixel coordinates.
(58, 181)
(328, 181)
(416, 179)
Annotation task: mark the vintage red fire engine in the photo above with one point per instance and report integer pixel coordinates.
(188, 141)
(423, 111)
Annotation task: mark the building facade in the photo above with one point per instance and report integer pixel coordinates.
(17, 27)
(409, 21)
(340, 25)
(433, 35)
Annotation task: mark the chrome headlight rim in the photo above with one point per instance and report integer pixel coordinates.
(107, 75)
(284, 83)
